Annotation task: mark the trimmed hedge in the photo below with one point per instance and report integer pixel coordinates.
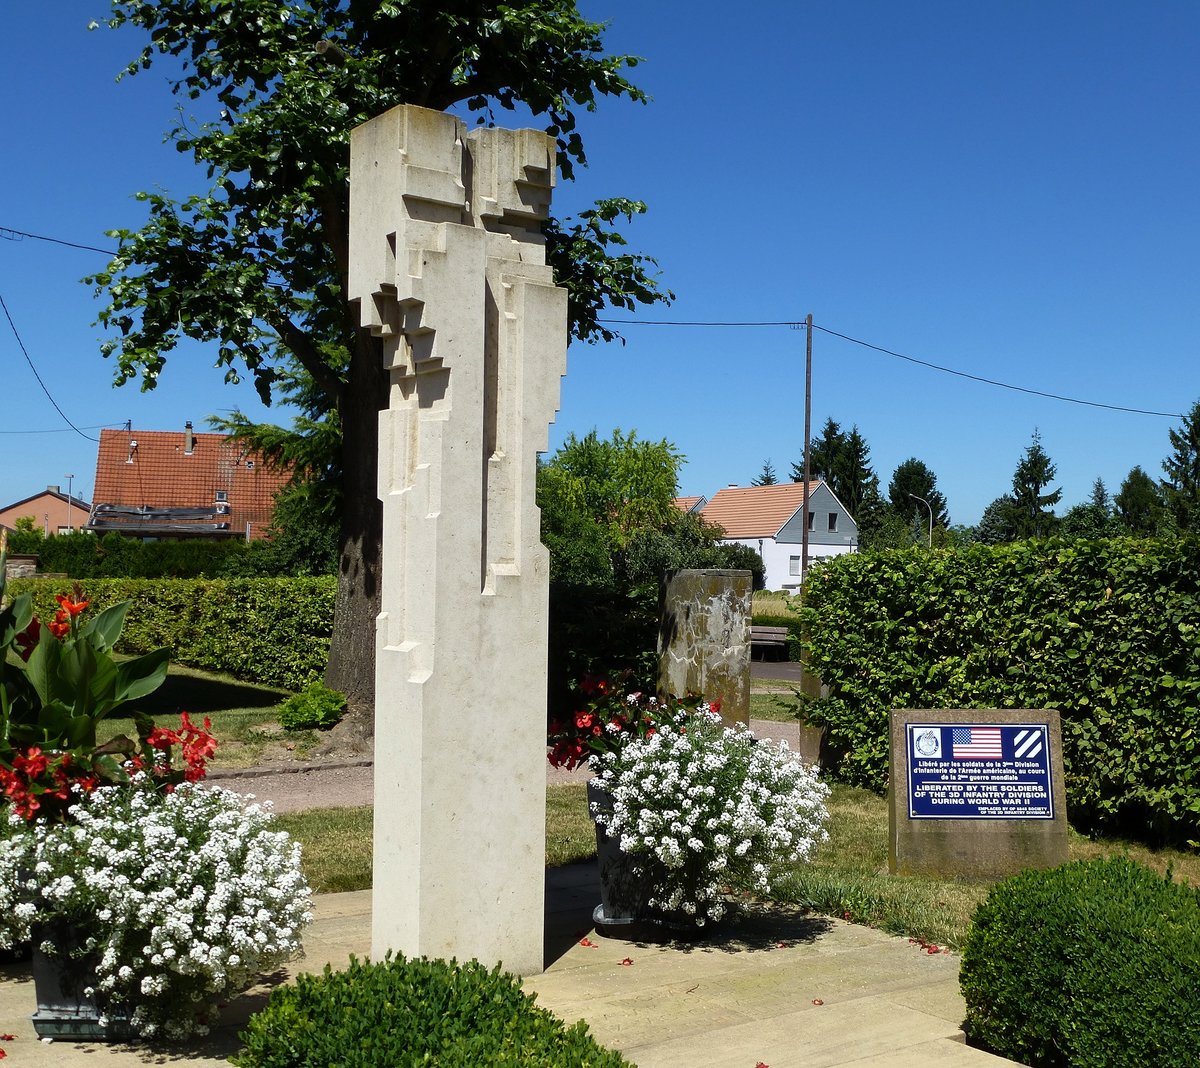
(414, 1012)
(1107, 632)
(1094, 963)
(274, 631)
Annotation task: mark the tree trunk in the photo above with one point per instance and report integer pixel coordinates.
(351, 668)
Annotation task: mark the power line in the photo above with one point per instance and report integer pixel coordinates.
(799, 324)
(5, 231)
(792, 323)
(25, 353)
(65, 430)
(993, 382)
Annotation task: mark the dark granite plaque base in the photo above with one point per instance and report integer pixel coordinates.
(976, 793)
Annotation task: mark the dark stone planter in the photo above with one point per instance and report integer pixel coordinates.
(624, 910)
(64, 1011)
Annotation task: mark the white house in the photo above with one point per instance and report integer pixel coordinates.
(770, 520)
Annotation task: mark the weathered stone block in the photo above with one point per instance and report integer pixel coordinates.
(704, 638)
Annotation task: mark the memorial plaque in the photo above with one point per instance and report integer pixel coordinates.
(976, 792)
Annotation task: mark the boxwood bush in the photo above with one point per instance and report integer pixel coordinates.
(414, 1012)
(1094, 963)
(1106, 631)
(274, 631)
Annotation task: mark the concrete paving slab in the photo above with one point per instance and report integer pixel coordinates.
(733, 1000)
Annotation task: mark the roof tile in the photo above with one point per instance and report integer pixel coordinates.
(755, 511)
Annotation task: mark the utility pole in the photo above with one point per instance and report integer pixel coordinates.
(70, 482)
(807, 456)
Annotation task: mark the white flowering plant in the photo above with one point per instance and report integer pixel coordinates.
(173, 900)
(704, 809)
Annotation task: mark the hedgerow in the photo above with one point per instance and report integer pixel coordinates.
(274, 631)
(1104, 631)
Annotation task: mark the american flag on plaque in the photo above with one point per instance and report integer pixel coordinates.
(976, 743)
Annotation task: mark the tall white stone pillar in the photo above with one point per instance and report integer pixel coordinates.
(448, 267)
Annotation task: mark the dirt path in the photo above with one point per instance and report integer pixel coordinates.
(349, 783)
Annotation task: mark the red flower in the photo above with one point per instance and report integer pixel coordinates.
(70, 607)
(32, 764)
(626, 962)
(27, 640)
(59, 626)
(587, 943)
(584, 720)
(161, 738)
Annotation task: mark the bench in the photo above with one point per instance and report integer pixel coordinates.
(764, 638)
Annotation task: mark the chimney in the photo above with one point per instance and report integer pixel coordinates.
(52, 489)
(189, 439)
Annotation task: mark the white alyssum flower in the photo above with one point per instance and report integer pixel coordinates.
(706, 808)
(178, 900)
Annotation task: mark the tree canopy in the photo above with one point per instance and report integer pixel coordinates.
(1034, 509)
(255, 262)
(1181, 488)
(913, 479)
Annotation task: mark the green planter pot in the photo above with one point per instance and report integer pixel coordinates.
(64, 1011)
(624, 910)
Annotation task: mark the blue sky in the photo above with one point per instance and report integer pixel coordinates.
(1008, 190)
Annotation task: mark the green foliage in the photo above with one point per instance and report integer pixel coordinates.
(1139, 505)
(1104, 631)
(274, 631)
(1181, 488)
(414, 1012)
(765, 477)
(257, 263)
(1033, 510)
(1094, 963)
(316, 707)
(84, 556)
(913, 479)
(843, 462)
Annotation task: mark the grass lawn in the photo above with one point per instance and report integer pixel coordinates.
(847, 875)
(243, 717)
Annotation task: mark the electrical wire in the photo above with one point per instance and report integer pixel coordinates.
(65, 430)
(6, 230)
(795, 325)
(25, 353)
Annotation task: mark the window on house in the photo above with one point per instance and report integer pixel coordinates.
(794, 565)
(832, 521)
(812, 518)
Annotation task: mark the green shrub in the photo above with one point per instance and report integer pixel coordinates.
(316, 707)
(1104, 631)
(1095, 963)
(274, 631)
(414, 1012)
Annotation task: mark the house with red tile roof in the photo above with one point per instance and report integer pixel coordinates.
(53, 512)
(690, 504)
(175, 484)
(770, 519)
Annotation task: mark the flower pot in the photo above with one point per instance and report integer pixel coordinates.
(625, 890)
(64, 1010)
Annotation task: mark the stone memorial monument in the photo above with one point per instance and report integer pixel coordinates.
(447, 266)
(704, 638)
(977, 793)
